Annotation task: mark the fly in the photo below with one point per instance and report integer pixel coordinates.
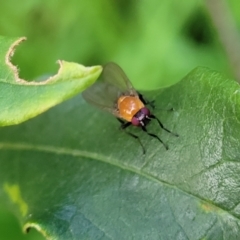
(114, 93)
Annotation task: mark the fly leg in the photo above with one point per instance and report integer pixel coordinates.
(161, 125)
(151, 103)
(146, 102)
(125, 125)
(154, 136)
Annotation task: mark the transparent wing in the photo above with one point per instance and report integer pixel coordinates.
(113, 74)
(105, 92)
(102, 95)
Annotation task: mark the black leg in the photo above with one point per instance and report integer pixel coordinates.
(123, 127)
(151, 103)
(161, 125)
(155, 136)
(120, 120)
(137, 138)
(123, 124)
(146, 102)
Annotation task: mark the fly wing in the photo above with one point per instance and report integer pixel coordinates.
(105, 92)
(114, 75)
(102, 95)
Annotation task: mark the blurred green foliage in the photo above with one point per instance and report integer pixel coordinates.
(155, 42)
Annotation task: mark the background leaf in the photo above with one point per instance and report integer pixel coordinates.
(74, 175)
(157, 43)
(21, 100)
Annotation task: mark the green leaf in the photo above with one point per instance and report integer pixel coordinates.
(21, 100)
(72, 174)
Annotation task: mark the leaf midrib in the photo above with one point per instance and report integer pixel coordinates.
(101, 158)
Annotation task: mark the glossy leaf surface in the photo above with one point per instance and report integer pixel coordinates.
(73, 175)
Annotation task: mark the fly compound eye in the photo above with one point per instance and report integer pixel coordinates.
(135, 121)
(145, 111)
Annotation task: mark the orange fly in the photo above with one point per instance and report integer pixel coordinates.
(114, 93)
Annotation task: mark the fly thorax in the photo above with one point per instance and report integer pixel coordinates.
(128, 106)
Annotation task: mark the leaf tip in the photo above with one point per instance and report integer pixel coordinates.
(9, 55)
(83, 69)
(72, 70)
(28, 226)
